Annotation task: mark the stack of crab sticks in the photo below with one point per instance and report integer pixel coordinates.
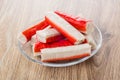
(60, 37)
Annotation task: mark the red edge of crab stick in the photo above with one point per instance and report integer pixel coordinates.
(28, 33)
(67, 58)
(54, 38)
(31, 31)
(65, 53)
(78, 24)
(64, 28)
(39, 45)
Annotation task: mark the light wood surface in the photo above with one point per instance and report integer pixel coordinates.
(14, 14)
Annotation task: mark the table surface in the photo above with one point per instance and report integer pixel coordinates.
(14, 14)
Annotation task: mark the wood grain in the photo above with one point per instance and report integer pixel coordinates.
(105, 65)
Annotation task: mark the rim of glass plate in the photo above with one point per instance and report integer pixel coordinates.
(63, 64)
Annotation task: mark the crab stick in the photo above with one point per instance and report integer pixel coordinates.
(34, 39)
(65, 53)
(64, 28)
(90, 27)
(26, 35)
(91, 41)
(39, 45)
(48, 35)
(81, 24)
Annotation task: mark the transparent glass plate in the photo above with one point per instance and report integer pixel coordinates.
(26, 51)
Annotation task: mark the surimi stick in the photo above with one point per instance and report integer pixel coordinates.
(48, 35)
(83, 25)
(39, 45)
(90, 27)
(64, 28)
(91, 41)
(26, 35)
(34, 39)
(65, 53)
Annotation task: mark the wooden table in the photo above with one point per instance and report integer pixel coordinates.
(105, 65)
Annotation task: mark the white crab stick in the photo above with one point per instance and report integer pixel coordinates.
(89, 28)
(33, 39)
(91, 41)
(64, 28)
(48, 35)
(65, 53)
